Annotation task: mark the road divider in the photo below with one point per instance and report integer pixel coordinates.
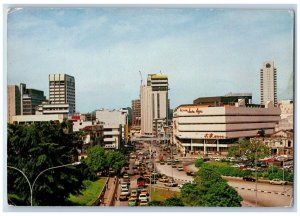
(263, 191)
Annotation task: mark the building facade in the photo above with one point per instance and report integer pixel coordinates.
(62, 90)
(114, 120)
(52, 109)
(214, 129)
(154, 104)
(287, 115)
(136, 112)
(268, 83)
(228, 99)
(30, 99)
(281, 143)
(30, 119)
(13, 102)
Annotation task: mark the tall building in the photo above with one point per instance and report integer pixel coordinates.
(136, 112)
(268, 83)
(30, 99)
(62, 90)
(13, 102)
(154, 104)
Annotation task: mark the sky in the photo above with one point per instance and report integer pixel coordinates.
(204, 52)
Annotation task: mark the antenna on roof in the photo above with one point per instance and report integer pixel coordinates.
(141, 77)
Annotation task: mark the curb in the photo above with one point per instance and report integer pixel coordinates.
(263, 191)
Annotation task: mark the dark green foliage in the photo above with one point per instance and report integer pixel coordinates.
(100, 160)
(209, 189)
(227, 170)
(35, 148)
(199, 162)
(276, 173)
(156, 203)
(173, 201)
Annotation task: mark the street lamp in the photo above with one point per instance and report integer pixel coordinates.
(32, 185)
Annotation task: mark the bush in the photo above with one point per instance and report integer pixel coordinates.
(199, 162)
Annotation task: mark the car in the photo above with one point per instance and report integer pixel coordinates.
(125, 176)
(249, 178)
(190, 173)
(123, 197)
(164, 179)
(143, 197)
(278, 182)
(162, 163)
(143, 203)
(124, 187)
(125, 191)
(174, 166)
(134, 192)
(171, 184)
(132, 202)
(176, 160)
(180, 168)
(140, 188)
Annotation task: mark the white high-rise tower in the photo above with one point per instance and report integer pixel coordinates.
(268, 83)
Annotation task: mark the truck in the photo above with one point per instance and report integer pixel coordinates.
(141, 181)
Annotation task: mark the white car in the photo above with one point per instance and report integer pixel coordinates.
(125, 191)
(278, 182)
(143, 197)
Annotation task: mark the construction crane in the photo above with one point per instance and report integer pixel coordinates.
(141, 77)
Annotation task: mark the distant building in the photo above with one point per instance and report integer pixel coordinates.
(154, 104)
(136, 112)
(50, 109)
(62, 90)
(114, 120)
(112, 136)
(30, 119)
(281, 142)
(268, 83)
(287, 115)
(13, 102)
(210, 130)
(228, 99)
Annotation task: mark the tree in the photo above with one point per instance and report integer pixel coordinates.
(199, 162)
(173, 201)
(250, 149)
(96, 159)
(191, 194)
(35, 148)
(115, 160)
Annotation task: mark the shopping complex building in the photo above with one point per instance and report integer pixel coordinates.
(207, 129)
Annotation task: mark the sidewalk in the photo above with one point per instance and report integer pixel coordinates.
(109, 193)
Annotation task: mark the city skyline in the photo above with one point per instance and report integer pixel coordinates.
(202, 51)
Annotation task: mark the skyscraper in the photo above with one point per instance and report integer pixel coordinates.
(154, 104)
(62, 90)
(268, 83)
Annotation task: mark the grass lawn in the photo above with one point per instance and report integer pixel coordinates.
(161, 194)
(89, 194)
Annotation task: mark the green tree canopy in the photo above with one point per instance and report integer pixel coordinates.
(96, 159)
(35, 148)
(248, 148)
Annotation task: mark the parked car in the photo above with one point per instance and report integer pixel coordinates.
(171, 184)
(278, 182)
(162, 163)
(249, 178)
(125, 191)
(190, 173)
(180, 168)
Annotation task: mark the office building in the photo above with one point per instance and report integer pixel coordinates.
(136, 112)
(210, 130)
(30, 99)
(62, 90)
(154, 104)
(113, 120)
(50, 109)
(13, 102)
(268, 83)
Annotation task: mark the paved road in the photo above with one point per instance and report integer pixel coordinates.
(268, 195)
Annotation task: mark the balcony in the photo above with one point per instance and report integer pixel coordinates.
(111, 133)
(111, 146)
(110, 139)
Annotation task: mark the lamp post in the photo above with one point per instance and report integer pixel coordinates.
(32, 185)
